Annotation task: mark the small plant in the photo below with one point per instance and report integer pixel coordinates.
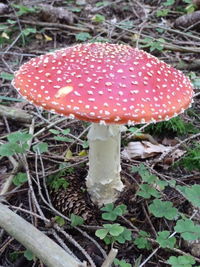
(20, 179)
(83, 36)
(59, 220)
(181, 261)
(187, 229)
(191, 160)
(98, 18)
(17, 143)
(29, 255)
(164, 240)
(62, 135)
(76, 220)
(142, 241)
(173, 126)
(111, 213)
(153, 44)
(164, 209)
(111, 233)
(121, 263)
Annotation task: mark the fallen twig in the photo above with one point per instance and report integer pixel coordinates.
(51, 254)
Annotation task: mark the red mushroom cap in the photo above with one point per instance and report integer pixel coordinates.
(105, 82)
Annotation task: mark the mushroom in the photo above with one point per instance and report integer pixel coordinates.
(109, 85)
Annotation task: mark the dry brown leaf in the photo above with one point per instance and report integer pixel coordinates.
(146, 149)
(143, 150)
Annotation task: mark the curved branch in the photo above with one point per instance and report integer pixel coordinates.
(42, 246)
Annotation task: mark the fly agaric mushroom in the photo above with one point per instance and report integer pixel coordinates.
(108, 85)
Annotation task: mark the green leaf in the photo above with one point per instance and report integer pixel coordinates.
(141, 241)
(59, 220)
(20, 179)
(126, 235)
(113, 212)
(76, 220)
(187, 229)
(54, 131)
(146, 191)
(66, 131)
(98, 18)
(6, 76)
(101, 233)
(41, 147)
(83, 36)
(144, 173)
(193, 194)
(29, 255)
(19, 137)
(162, 12)
(121, 263)
(181, 261)
(28, 31)
(169, 3)
(128, 24)
(63, 139)
(163, 209)
(59, 183)
(115, 229)
(165, 241)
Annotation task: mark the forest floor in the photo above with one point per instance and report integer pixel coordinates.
(44, 157)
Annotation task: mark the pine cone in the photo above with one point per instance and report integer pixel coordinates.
(74, 199)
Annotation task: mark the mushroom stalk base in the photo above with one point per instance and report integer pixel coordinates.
(103, 180)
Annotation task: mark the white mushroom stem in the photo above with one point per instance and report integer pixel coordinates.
(103, 180)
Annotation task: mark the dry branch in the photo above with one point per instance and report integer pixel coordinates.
(42, 246)
(188, 20)
(15, 114)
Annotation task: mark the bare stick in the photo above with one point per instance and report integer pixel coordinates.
(51, 254)
(111, 256)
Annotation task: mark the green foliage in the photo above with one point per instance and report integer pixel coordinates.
(98, 18)
(164, 209)
(187, 229)
(181, 261)
(59, 182)
(144, 173)
(59, 220)
(169, 3)
(29, 255)
(28, 31)
(142, 241)
(83, 36)
(192, 194)
(121, 263)
(111, 212)
(22, 10)
(111, 233)
(191, 160)
(147, 191)
(40, 147)
(102, 3)
(162, 12)
(76, 220)
(173, 126)
(6, 76)
(164, 240)
(126, 24)
(153, 44)
(17, 143)
(59, 135)
(20, 179)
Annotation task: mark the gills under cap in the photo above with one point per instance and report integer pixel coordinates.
(102, 82)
